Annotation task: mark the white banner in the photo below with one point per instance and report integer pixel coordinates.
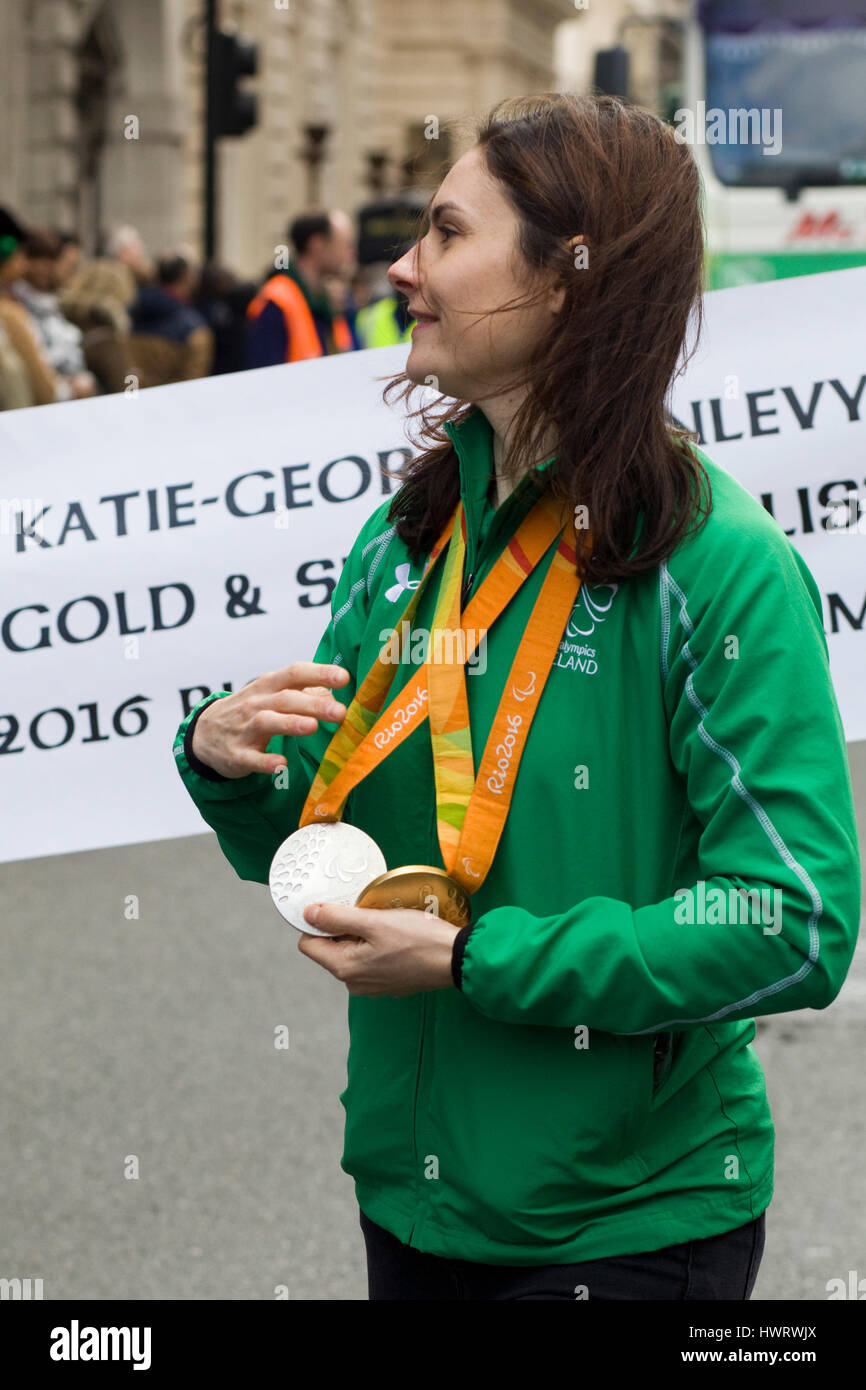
(187, 538)
(777, 394)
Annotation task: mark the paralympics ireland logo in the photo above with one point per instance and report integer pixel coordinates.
(590, 610)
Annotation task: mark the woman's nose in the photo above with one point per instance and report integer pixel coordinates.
(403, 273)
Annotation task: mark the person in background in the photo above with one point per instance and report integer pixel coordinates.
(37, 291)
(339, 289)
(294, 316)
(39, 384)
(359, 296)
(69, 258)
(384, 318)
(170, 340)
(98, 297)
(15, 389)
(222, 300)
(125, 245)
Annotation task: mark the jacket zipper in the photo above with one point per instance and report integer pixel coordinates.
(467, 583)
(464, 595)
(504, 509)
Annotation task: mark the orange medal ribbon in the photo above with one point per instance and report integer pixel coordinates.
(471, 811)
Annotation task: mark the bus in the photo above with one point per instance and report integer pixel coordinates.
(772, 98)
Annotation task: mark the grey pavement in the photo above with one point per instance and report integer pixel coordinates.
(151, 1040)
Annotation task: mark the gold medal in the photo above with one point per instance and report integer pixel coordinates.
(421, 887)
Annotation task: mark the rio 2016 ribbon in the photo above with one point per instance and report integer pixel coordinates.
(471, 811)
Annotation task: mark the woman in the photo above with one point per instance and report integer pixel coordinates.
(37, 290)
(561, 1098)
(29, 378)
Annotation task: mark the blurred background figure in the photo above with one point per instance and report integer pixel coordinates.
(300, 311)
(46, 263)
(222, 299)
(383, 318)
(28, 377)
(15, 385)
(170, 340)
(125, 245)
(68, 258)
(98, 297)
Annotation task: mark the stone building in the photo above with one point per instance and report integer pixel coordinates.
(104, 104)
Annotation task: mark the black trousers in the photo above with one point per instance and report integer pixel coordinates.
(723, 1267)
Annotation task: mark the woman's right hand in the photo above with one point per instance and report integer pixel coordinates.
(232, 733)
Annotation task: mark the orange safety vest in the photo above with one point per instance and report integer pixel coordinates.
(303, 340)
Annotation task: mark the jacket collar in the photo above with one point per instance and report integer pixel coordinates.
(318, 301)
(472, 437)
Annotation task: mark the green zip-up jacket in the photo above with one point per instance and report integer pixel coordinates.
(589, 1086)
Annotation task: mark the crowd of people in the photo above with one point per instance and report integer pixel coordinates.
(73, 325)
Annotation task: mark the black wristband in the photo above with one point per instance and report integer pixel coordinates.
(200, 768)
(457, 951)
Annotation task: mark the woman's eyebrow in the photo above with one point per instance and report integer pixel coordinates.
(437, 212)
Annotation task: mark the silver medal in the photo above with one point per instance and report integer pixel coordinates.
(327, 862)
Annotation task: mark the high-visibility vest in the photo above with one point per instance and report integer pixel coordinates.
(303, 340)
(377, 326)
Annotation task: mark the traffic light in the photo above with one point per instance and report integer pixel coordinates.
(234, 110)
(611, 71)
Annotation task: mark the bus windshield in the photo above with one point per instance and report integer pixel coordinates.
(770, 57)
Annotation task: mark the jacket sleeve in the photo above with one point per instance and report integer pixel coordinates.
(252, 815)
(754, 731)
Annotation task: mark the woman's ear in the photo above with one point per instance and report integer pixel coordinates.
(581, 261)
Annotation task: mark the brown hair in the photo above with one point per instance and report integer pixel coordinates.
(599, 382)
(42, 243)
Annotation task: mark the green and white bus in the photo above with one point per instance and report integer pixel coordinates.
(772, 97)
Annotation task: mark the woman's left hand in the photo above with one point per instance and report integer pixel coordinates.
(391, 951)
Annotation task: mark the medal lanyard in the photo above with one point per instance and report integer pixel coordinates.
(471, 811)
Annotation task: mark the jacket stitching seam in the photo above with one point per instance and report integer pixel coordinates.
(665, 607)
(364, 581)
(385, 540)
(763, 820)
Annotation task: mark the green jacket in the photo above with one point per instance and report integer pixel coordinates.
(590, 1086)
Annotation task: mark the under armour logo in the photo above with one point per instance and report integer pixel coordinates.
(403, 584)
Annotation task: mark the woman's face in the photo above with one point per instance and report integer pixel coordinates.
(13, 267)
(41, 272)
(468, 264)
